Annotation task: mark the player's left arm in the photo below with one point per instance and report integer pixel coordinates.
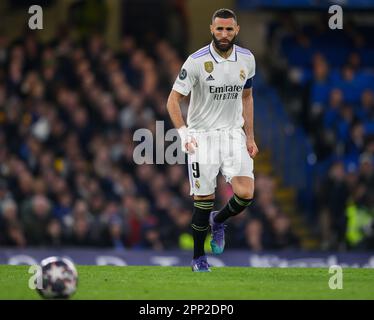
(248, 121)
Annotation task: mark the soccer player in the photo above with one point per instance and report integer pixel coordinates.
(219, 127)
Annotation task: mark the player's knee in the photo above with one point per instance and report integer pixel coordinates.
(245, 194)
(243, 187)
(207, 197)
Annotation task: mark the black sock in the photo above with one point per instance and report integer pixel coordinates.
(200, 225)
(233, 207)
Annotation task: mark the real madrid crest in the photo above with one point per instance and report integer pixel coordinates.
(208, 65)
(242, 75)
(197, 184)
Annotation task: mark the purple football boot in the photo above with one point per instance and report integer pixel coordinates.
(200, 264)
(218, 234)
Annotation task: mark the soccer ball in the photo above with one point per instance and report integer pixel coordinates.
(60, 278)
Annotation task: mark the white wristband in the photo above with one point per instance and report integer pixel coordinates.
(183, 132)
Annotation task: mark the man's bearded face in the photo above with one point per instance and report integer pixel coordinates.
(224, 44)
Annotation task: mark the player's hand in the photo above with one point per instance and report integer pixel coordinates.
(189, 143)
(252, 147)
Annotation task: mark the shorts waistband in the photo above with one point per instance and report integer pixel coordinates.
(214, 130)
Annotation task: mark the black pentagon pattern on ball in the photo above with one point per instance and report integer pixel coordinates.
(60, 278)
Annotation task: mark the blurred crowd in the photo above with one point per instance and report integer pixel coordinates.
(68, 111)
(326, 78)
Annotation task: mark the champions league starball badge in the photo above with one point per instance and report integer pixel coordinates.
(183, 74)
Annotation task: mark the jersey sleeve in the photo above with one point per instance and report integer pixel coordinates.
(251, 67)
(187, 77)
(252, 70)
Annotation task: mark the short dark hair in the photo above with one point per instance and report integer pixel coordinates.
(224, 14)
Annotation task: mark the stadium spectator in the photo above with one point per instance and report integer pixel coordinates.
(283, 237)
(333, 199)
(35, 215)
(254, 235)
(55, 234)
(11, 232)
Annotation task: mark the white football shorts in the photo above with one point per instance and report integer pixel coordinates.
(217, 151)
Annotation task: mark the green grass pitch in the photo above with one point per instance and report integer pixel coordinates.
(164, 283)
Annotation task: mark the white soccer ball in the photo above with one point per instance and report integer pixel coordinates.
(60, 278)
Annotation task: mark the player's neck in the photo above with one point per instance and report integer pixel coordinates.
(223, 54)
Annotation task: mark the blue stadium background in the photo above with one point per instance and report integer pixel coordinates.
(73, 94)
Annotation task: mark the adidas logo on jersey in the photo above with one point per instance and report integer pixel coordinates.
(209, 78)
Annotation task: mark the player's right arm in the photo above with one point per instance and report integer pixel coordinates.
(186, 80)
(174, 109)
(173, 106)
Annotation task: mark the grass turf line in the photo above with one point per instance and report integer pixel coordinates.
(180, 283)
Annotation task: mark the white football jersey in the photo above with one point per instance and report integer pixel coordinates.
(216, 85)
